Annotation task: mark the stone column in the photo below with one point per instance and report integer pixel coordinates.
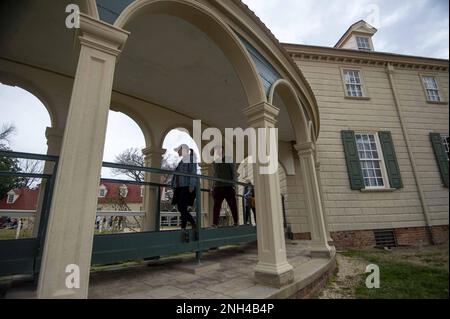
(273, 268)
(313, 201)
(152, 158)
(70, 231)
(54, 140)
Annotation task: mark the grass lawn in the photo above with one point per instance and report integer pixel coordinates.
(405, 273)
(6, 234)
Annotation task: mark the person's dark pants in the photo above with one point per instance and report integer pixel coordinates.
(224, 193)
(247, 218)
(184, 197)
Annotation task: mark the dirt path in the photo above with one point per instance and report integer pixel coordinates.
(347, 278)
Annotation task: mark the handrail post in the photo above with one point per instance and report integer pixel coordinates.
(198, 208)
(158, 210)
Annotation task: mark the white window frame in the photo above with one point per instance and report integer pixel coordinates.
(361, 83)
(380, 159)
(10, 199)
(428, 89)
(142, 191)
(104, 189)
(363, 48)
(444, 140)
(123, 188)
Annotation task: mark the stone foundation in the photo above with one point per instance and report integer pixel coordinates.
(410, 236)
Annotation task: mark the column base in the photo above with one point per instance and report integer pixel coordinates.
(276, 277)
(322, 251)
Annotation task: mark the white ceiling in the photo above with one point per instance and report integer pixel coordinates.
(166, 60)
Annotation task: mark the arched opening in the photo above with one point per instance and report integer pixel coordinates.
(283, 96)
(25, 127)
(172, 20)
(119, 194)
(170, 217)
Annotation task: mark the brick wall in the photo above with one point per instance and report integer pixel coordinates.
(411, 236)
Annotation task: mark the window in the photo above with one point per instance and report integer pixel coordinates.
(371, 159)
(353, 83)
(10, 199)
(123, 191)
(363, 43)
(445, 143)
(431, 88)
(102, 191)
(142, 191)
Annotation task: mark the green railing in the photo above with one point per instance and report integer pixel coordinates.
(22, 256)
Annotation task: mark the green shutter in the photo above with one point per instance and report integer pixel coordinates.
(352, 160)
(390, 160)
(441, 156)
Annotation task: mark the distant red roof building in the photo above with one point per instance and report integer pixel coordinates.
(27, 199)
(130, 192)
(24, 199)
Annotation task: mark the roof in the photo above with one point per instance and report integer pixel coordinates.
(356, 27)
(133, 196)
(27, 200)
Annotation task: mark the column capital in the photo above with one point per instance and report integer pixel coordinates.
(307, 148)
(153, 151)
(52, 132)
(262, 115)
(101, 36)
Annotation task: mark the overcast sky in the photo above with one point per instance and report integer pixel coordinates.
(414, 27)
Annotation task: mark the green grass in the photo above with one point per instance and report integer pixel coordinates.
(6, 234)
(404, 278)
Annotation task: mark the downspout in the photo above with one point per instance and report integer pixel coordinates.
(390, 72)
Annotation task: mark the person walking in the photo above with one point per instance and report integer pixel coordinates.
(225, 170)
(185, 188)
(249, 202)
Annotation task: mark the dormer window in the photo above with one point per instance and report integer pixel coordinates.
(102, 191)
(10, 198)
(123, 191)
(363, 43)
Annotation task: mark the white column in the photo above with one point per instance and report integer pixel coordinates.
(319, 247)
(273, 268)
(54, 140)
(152, 158)
(71, 224)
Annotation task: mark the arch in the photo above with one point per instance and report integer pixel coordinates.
(219, 32)
(287, 93)
(146, 130)
(175, 127)
(89, 7)
(12, 79)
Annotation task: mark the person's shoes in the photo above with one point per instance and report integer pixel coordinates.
(214, 226)
(236, 225)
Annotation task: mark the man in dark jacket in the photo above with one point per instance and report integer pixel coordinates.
(223, 190)
(184, 187)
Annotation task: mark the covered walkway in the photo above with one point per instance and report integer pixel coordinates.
(227, 274)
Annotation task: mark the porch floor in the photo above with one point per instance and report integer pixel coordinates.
(234, 278)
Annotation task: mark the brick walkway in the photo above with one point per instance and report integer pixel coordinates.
(164, 279)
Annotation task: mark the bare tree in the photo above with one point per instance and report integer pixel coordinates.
(6, 132)
(131, 157)
(32, 167)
